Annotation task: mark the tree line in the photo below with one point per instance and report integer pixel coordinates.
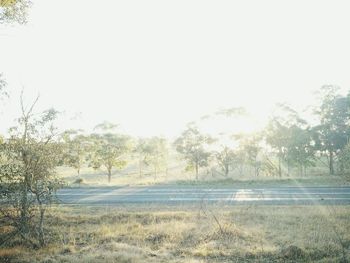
(32, 150)
(105, 149)
(288, 142)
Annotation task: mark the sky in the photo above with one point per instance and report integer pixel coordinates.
(153, 66)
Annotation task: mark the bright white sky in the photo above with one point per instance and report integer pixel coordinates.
(153, 66)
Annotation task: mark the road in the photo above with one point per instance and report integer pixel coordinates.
(181, 195)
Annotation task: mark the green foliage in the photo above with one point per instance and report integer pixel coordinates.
(142, 151)
(109, 150)
(300, 149)
(192, 145)
(276, 137)
(344, 159)
(226, 158)
(152, 152)
(333, 132)
(249, 149)
(76, 149)
(289, 135)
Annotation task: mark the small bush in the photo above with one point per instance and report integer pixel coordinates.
(79, 181)
(293, 253)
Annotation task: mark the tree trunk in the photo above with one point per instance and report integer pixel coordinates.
(155, 172)
(197, 167)
(24, 227)
(331, 163)
(240, 167)
(279, 167)
(24, 212)
(140, 167)
(41, 227)
(226, 170)
(109, 175)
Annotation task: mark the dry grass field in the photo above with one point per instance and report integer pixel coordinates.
(191, 234)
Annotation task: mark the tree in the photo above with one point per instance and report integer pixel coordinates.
(333, 130)
(142, 152)
(300, 148)
(75, 150)
(109, 150)
(152, 152)
(344, 159)
(27, 174)
(276, 137)
(157, 153)
(291, 137)
(192, 145)
(249, 147)
(226, 158)
(14, 11)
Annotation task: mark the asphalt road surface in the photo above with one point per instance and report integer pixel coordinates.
(181, 195)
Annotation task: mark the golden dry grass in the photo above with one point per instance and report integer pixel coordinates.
(192, 234)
